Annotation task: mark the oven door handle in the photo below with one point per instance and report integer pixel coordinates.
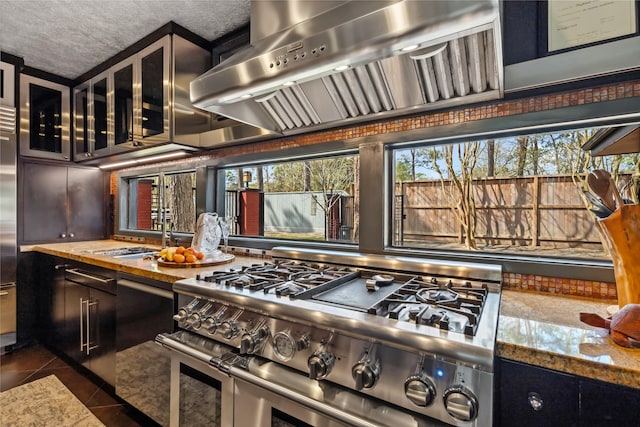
(166, 341)
(323, 408)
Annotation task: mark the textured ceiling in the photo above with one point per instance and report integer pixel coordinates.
(70, 37)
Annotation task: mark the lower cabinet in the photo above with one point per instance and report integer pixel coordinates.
(90, 316)
(532, 396)
(79, 314)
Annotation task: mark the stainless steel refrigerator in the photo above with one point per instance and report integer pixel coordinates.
(8, 208)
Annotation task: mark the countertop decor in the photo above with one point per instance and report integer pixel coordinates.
(622, 235)
(538, 329)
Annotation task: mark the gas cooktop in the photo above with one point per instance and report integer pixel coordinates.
(417, 333)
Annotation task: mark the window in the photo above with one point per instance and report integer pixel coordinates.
(522, 195)
(314, 199)
(148, 203)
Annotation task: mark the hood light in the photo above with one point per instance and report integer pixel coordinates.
(143, 160)
(341, 68)
(428, 52)
(409, 48)
(246, 96)
(288, 83)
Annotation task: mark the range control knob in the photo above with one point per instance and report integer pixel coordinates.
(420, 390)
(460, 403)
(210, 324)
(365, 373)
(181, 315)
(229, 329)
(320, 364)
(194, 320)
(251, 341)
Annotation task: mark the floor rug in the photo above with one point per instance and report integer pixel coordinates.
(44, 402)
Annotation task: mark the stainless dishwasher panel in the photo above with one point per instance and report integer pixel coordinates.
(144, 309)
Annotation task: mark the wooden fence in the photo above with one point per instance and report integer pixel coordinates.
(518, 211)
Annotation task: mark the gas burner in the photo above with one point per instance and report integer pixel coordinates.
(435, 296)
(289, 288)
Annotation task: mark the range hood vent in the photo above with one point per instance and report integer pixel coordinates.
(360, 61)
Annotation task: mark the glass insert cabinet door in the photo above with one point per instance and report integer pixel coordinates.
(154, 62)
(45, 125)
(123, 102)
(141, 97)
(152, 94)
(81, 140)
(100, 114)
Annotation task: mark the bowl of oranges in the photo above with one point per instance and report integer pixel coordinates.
(179, 256)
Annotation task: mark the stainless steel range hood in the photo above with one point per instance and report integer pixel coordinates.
(332, 63)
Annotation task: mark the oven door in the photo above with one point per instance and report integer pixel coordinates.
(201, 395)
(282, 397)
(251, 391)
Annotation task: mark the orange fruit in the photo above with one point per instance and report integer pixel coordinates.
(180, 250)
(189, 251)
(200, 255)
(179, 258)
(190, 258)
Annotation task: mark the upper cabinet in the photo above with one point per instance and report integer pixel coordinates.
(44, 119)
(142, 101)
(92, 130)
(6, 85)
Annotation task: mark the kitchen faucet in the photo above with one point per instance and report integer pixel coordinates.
(169, 236)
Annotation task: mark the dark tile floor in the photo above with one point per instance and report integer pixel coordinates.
(31, 363)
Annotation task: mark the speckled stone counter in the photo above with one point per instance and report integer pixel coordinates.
(545, 330)
(538, 329)
(82, 251)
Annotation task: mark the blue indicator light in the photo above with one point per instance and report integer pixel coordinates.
(439, 372)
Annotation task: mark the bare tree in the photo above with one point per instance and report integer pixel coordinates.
(330, 176)
(521, 154)
(307, 175)
(356, 198)
(491, 157)
(458, 186)
(181, 201)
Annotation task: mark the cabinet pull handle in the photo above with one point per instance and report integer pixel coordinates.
(78, 272)
(89, 346)
(4, 293)
(72, 235)
(63, 235)
(62, 266)
(535, 401)
(81, 326)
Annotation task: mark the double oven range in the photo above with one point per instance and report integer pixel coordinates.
(336, 338)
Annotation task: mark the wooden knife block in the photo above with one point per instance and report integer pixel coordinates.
(622, 235)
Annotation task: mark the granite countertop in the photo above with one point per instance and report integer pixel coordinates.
(537, 329)
(545, 330)
(82, 251)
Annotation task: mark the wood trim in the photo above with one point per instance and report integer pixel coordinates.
(45, 75)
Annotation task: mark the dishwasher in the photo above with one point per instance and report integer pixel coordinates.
(144, 309)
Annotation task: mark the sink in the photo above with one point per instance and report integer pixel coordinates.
(130, 252)
(135, 256)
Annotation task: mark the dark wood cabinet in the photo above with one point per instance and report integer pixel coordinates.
(62, 203)
(79, 319)
(89, 333)
(532, 396)
(608, 405)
